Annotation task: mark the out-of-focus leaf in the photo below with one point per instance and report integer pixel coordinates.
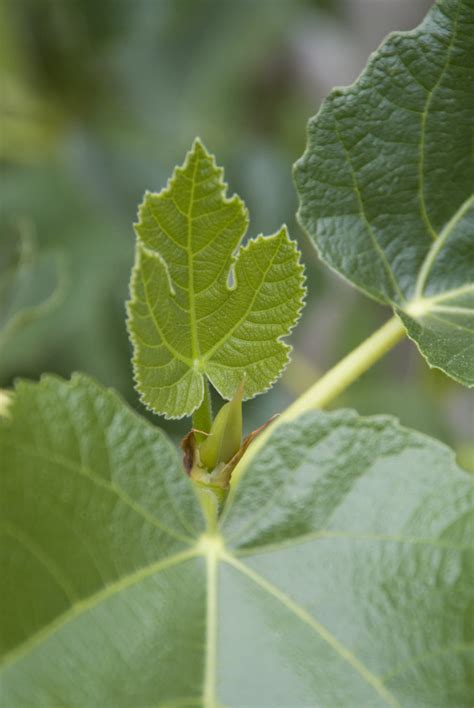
(32, 284)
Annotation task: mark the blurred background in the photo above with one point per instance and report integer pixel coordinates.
(99, 101)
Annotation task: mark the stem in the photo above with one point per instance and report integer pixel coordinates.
(211, 500)
(202, 417)
(347, 370)
(331, 384)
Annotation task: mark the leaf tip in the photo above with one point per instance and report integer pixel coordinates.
(199, 147)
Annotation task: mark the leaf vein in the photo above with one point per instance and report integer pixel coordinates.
(93, 601)
(308, 619)
(424, 120)
(378, 249)
(112, 487)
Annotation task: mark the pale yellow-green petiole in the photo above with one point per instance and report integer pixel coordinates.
(225, 437)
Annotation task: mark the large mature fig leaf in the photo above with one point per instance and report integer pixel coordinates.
(98, 522)
(187, 320)
(339, 577)
(387, 178)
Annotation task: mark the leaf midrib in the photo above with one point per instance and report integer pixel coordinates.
(203, 359)
(192, 305)
(436, 247)
(424, 118)
(213, 550)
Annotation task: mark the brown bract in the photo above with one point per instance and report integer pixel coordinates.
(222, 474)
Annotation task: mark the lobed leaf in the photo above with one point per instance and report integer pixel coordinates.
(197, 310)
(386, 183)
(114, 595)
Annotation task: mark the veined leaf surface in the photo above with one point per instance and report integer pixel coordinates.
(197, 310)
(386, 183)
(340, 574)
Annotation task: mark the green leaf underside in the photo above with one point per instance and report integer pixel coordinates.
(387, 178)
(197, 310)
(341, 578)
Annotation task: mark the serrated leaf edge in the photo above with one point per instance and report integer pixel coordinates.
(140, 247)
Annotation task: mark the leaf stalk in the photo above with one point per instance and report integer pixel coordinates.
(329, 386)
(202, 416)
(337, 379)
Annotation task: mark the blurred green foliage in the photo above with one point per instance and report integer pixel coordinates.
(98, 102)
(32, 284)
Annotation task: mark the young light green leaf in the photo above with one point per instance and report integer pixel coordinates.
(387, 178)
(197, 309)
(114, 596)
